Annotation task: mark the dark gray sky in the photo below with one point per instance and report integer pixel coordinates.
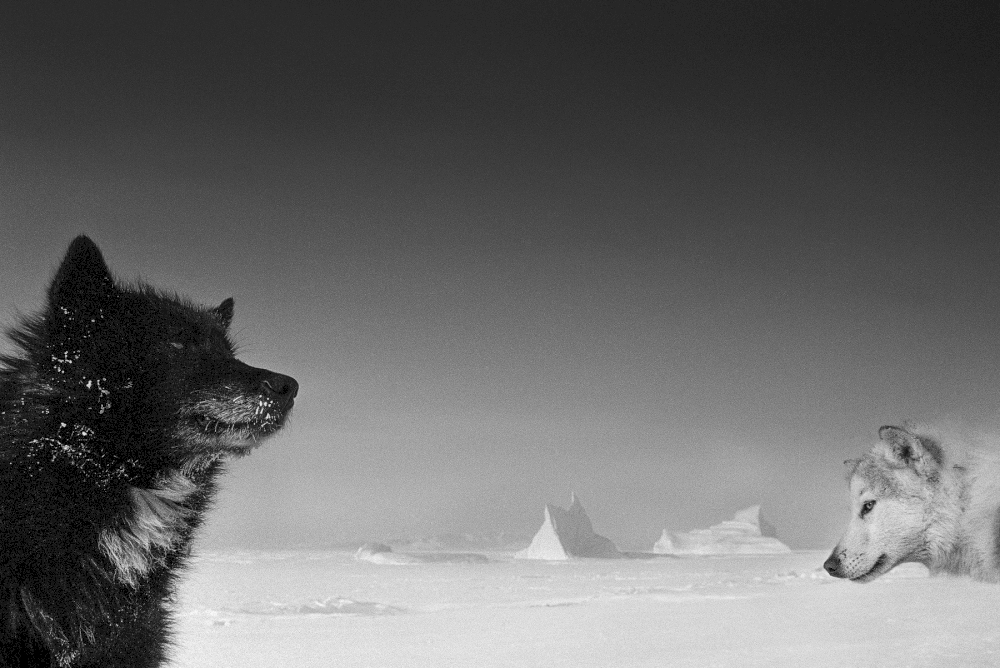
(679, 261)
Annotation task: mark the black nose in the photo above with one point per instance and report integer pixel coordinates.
(832, 564)
(280, 387)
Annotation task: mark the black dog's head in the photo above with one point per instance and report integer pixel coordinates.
(153, 376)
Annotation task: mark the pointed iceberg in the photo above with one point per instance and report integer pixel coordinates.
(566, 534)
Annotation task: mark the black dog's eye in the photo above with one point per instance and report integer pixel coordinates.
(177, 344)
(867, 507)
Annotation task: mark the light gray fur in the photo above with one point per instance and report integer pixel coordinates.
(937, 503)
(150, 529)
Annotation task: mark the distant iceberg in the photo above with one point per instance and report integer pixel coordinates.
(746, 533)
(566, 534)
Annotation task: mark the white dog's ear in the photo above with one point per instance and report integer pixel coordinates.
(907, 449)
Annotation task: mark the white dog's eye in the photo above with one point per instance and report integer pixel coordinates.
(867, 507)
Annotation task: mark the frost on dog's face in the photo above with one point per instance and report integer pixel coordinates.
(224, 406)
(888, 492)
(119, 351)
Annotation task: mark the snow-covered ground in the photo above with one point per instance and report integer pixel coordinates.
(324, 609)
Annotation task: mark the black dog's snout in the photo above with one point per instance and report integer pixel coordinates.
(832, 564)
(280, 387)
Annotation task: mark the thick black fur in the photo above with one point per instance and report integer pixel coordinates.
(117, 412)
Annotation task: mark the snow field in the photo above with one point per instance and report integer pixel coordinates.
(326, 609)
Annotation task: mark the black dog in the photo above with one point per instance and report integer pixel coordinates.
(116, 416)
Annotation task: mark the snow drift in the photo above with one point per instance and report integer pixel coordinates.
(380, 553)
(461, 542)
(333, 605)
(746, 533)
(566, 534)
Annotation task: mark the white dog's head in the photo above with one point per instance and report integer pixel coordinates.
(890, 487)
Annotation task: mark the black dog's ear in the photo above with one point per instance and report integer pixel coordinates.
(82, 280)
(224, 313)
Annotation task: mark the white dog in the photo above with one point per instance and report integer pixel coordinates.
(916, 497)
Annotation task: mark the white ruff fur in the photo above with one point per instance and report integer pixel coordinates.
(962, 532)
(150, 529)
